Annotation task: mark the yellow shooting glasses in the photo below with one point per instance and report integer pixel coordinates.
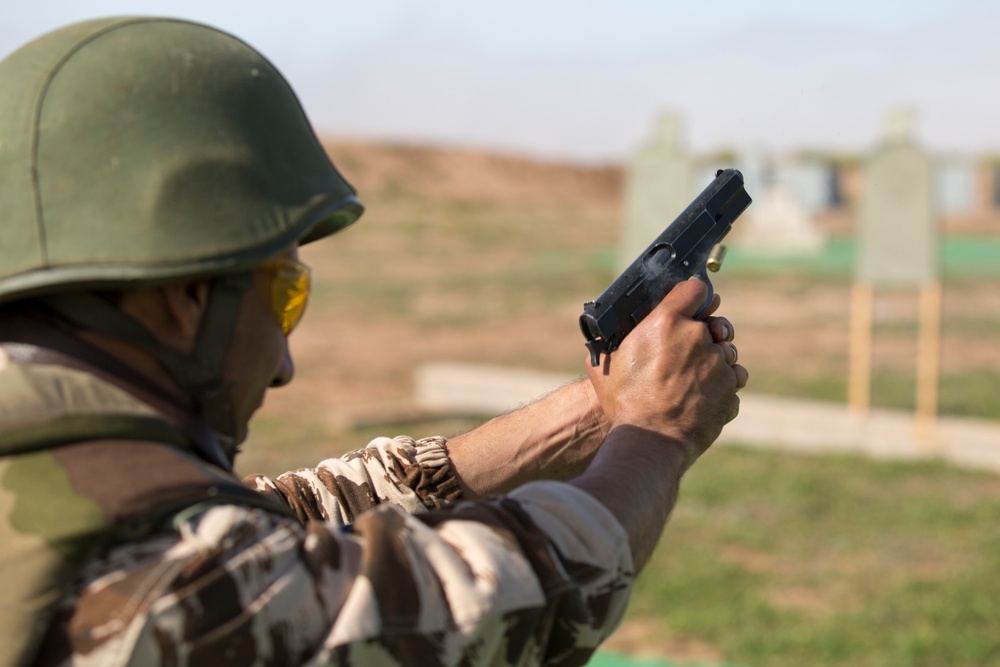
(290, 286)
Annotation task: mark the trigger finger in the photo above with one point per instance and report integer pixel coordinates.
(710, 306)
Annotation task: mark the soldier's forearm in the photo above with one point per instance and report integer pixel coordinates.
(636, 476)
(555, 437)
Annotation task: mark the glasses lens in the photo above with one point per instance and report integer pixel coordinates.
(289, 292)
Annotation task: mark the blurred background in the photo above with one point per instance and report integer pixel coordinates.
(495, 147)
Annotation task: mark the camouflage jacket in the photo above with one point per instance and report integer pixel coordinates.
(365, 575)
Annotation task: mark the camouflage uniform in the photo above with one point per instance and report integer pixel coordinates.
(538, 577)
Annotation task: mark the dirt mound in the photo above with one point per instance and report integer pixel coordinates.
(462, 174)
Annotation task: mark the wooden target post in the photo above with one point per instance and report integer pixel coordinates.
(860, 366)
(928, 359)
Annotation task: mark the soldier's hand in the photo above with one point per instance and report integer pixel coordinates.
(673, 374)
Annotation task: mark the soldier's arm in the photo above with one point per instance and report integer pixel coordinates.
(553, 438)
(667, 392)
(545, 571)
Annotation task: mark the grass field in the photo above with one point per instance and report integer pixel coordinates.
(777, 560)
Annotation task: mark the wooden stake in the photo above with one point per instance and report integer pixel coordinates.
(860, 370)
(928, 359)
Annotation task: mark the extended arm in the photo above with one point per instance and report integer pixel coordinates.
(557, 436)
(667, 392)
(552, 438)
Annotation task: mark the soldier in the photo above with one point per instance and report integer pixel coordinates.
(156, 179)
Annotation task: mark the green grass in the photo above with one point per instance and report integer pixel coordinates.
(611, 659)
(784, 560)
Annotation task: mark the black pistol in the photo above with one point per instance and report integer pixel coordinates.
(681, 251)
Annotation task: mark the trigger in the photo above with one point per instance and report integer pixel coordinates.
(595, 353)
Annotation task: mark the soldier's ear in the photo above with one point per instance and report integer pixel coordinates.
(185, 305)
(172, 313)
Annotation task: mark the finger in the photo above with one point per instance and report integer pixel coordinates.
(732, 354)
(711, 307)
(742, 376)
(686, 297)
(721, 329)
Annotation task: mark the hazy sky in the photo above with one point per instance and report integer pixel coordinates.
(585, 78)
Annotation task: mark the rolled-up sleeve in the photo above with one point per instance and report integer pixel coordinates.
(415, 475)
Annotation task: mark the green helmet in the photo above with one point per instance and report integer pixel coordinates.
(139, 151)
(146, 150)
